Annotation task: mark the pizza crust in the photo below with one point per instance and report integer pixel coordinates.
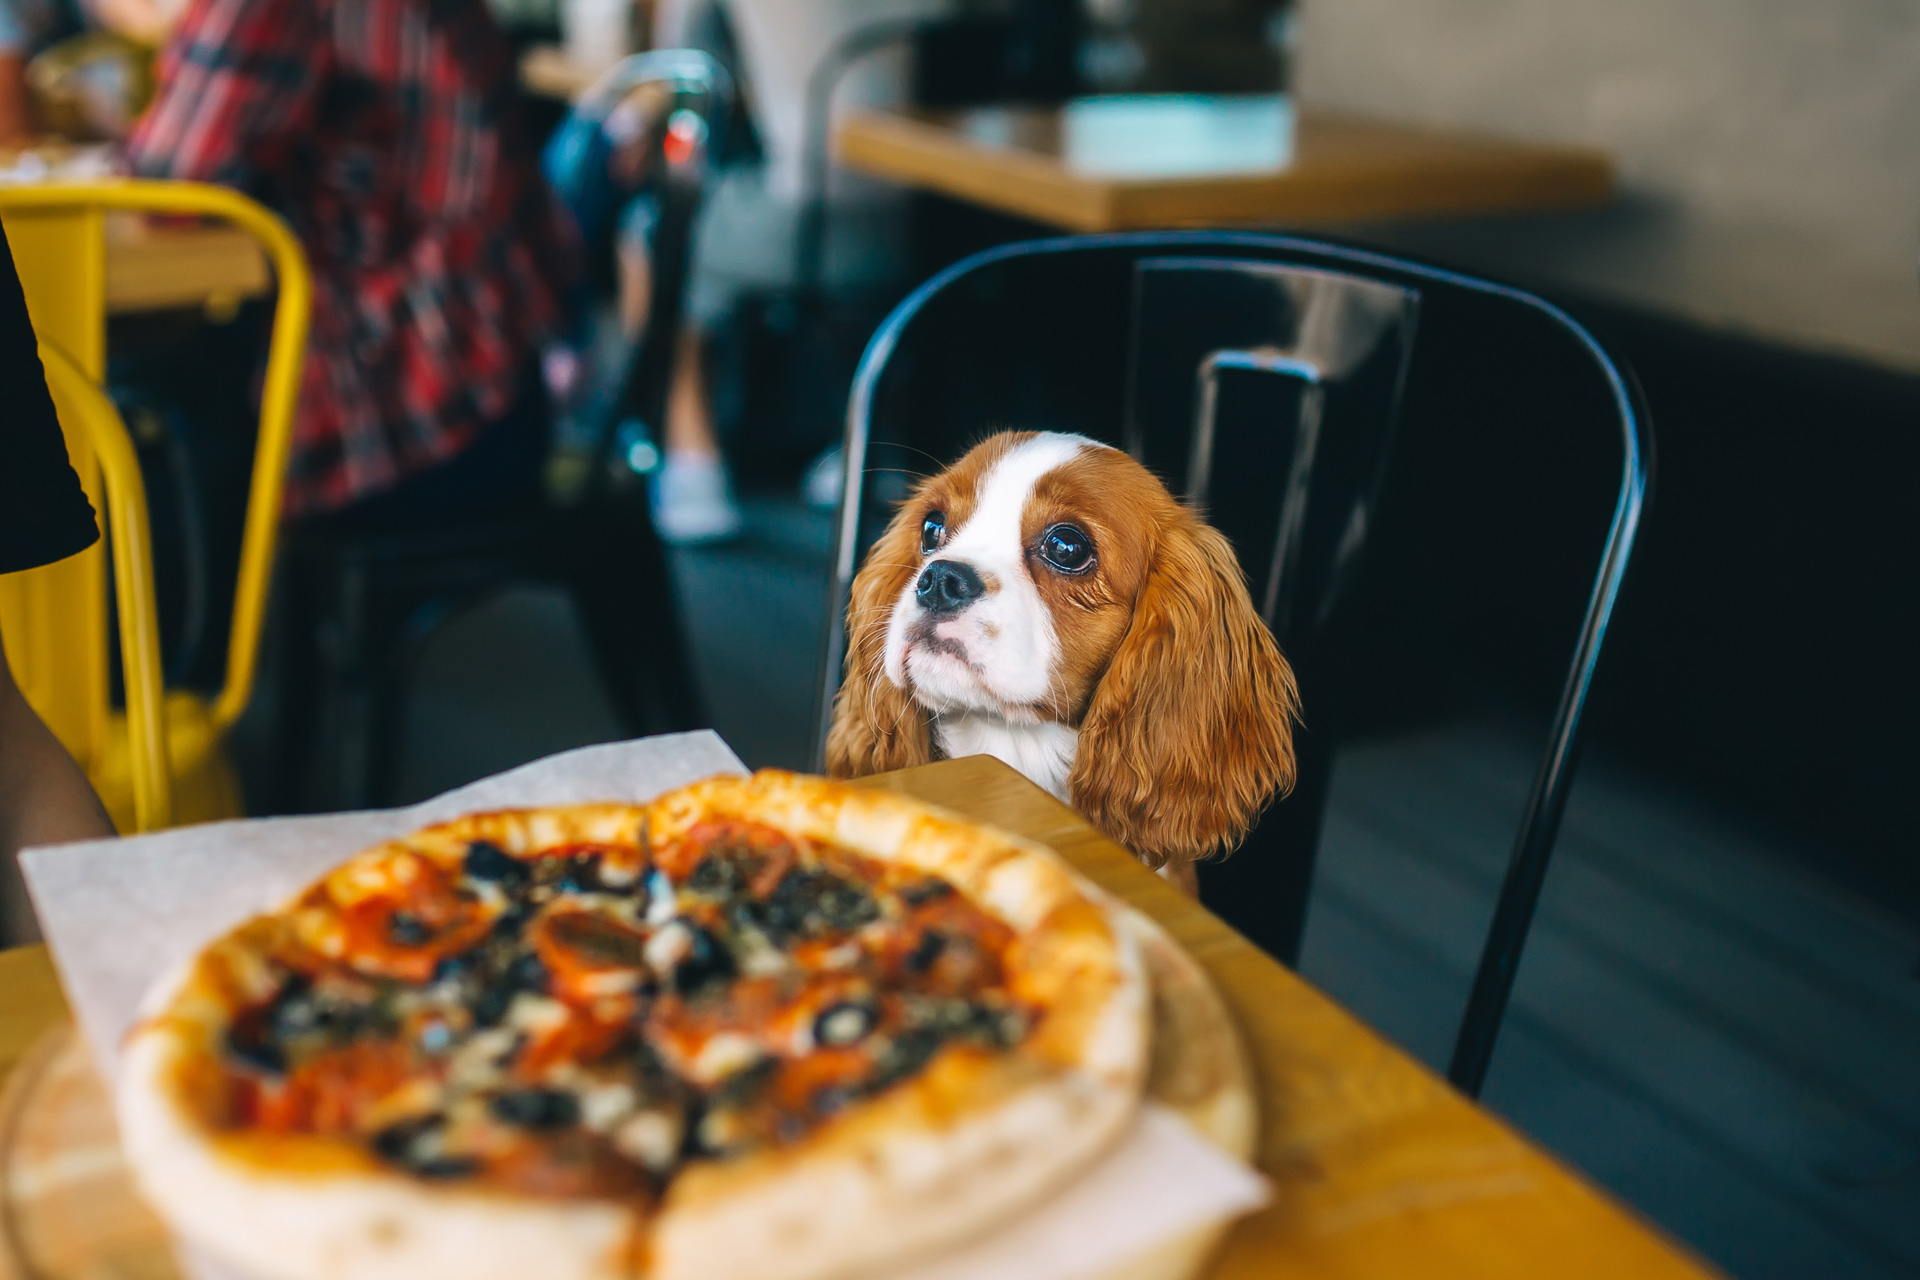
(908, 1175)
(974, 1139)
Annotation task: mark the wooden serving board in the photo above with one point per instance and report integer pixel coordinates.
(68, 1209)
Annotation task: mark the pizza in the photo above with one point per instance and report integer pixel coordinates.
(769, 1026)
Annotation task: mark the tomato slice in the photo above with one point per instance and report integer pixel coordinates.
(414, 918)
(330, 1092)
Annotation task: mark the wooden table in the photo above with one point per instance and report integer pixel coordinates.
(1345, 170)
(159, 266)
(546, 69)
(156, 268)
(1378, 1167)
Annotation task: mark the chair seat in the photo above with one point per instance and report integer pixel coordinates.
(205, 787)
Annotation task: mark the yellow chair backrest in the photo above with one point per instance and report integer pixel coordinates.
(87, 414)
(55, 618)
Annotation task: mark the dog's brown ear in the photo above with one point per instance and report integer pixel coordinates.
(1190, 732)
(876, 725)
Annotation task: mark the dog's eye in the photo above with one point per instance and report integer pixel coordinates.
(1067, 549)
(932, 530)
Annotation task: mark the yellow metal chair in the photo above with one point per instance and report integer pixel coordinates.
(161, 761)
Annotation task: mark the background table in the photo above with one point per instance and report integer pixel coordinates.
(1378, 1168)
(154, 268)
(1344, 170)
(545, 69)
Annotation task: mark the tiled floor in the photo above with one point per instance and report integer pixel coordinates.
(1701, 1023)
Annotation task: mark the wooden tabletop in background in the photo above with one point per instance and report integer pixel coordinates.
(155, 268)
(1344, 170)
(1378, 1167)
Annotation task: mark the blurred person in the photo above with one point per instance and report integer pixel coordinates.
(607, 185)
(749, 238)
(388, 133)
(44, 517)
(693, 501)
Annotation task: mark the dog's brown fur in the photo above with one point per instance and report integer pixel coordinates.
(1183, 702)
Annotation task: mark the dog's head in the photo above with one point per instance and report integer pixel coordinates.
(1049, 578)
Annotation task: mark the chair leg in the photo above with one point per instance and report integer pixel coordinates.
(385, 724)
(396, 659)
(297, 722)
(373, 614)
(616, 569)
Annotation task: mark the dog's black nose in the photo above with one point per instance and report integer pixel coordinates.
(947, 586)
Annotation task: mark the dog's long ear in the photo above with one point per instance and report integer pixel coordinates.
(1190, 732)
(876, 725)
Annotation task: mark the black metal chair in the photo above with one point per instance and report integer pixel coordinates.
(1264, 376)
(361, 603)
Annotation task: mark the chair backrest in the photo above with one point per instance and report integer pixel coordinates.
(1263, 377)
(55, 617)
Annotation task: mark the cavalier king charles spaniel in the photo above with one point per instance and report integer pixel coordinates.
(1046, 601)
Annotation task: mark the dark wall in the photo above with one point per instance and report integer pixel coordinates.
(1767, 652)
(1760, 651)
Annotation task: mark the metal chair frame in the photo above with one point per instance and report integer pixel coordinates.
(61, 227)
(1546, 802)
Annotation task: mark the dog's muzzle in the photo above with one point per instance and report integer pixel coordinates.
(947, 586)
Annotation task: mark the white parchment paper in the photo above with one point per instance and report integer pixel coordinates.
(118, 914)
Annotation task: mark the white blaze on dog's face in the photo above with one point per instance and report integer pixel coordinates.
(1027, 572)
(970, 632)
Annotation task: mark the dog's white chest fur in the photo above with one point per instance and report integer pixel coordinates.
(1042, 752)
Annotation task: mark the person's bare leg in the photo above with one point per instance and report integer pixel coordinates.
(693, 499)
(44, 799)
(636, 290)
(689, 408)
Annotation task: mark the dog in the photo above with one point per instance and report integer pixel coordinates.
(1046, 601)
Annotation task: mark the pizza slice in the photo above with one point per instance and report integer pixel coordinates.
(767, 1026)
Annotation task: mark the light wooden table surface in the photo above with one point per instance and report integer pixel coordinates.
(1345, 170)
(1379, 1169)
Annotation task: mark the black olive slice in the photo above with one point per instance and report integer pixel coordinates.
(905, 1055)
(405, 929)
(925, 952)
(485, 861)
(847, 1022)
(536, 1108)
(400, 1142)
(581, 874)
(923, 891)
(689, 956)
(445, 1168)
(253, 1048)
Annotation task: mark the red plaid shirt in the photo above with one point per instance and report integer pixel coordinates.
(386, 132)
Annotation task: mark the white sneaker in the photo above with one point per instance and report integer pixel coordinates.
(692, 501)
(826, 479)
